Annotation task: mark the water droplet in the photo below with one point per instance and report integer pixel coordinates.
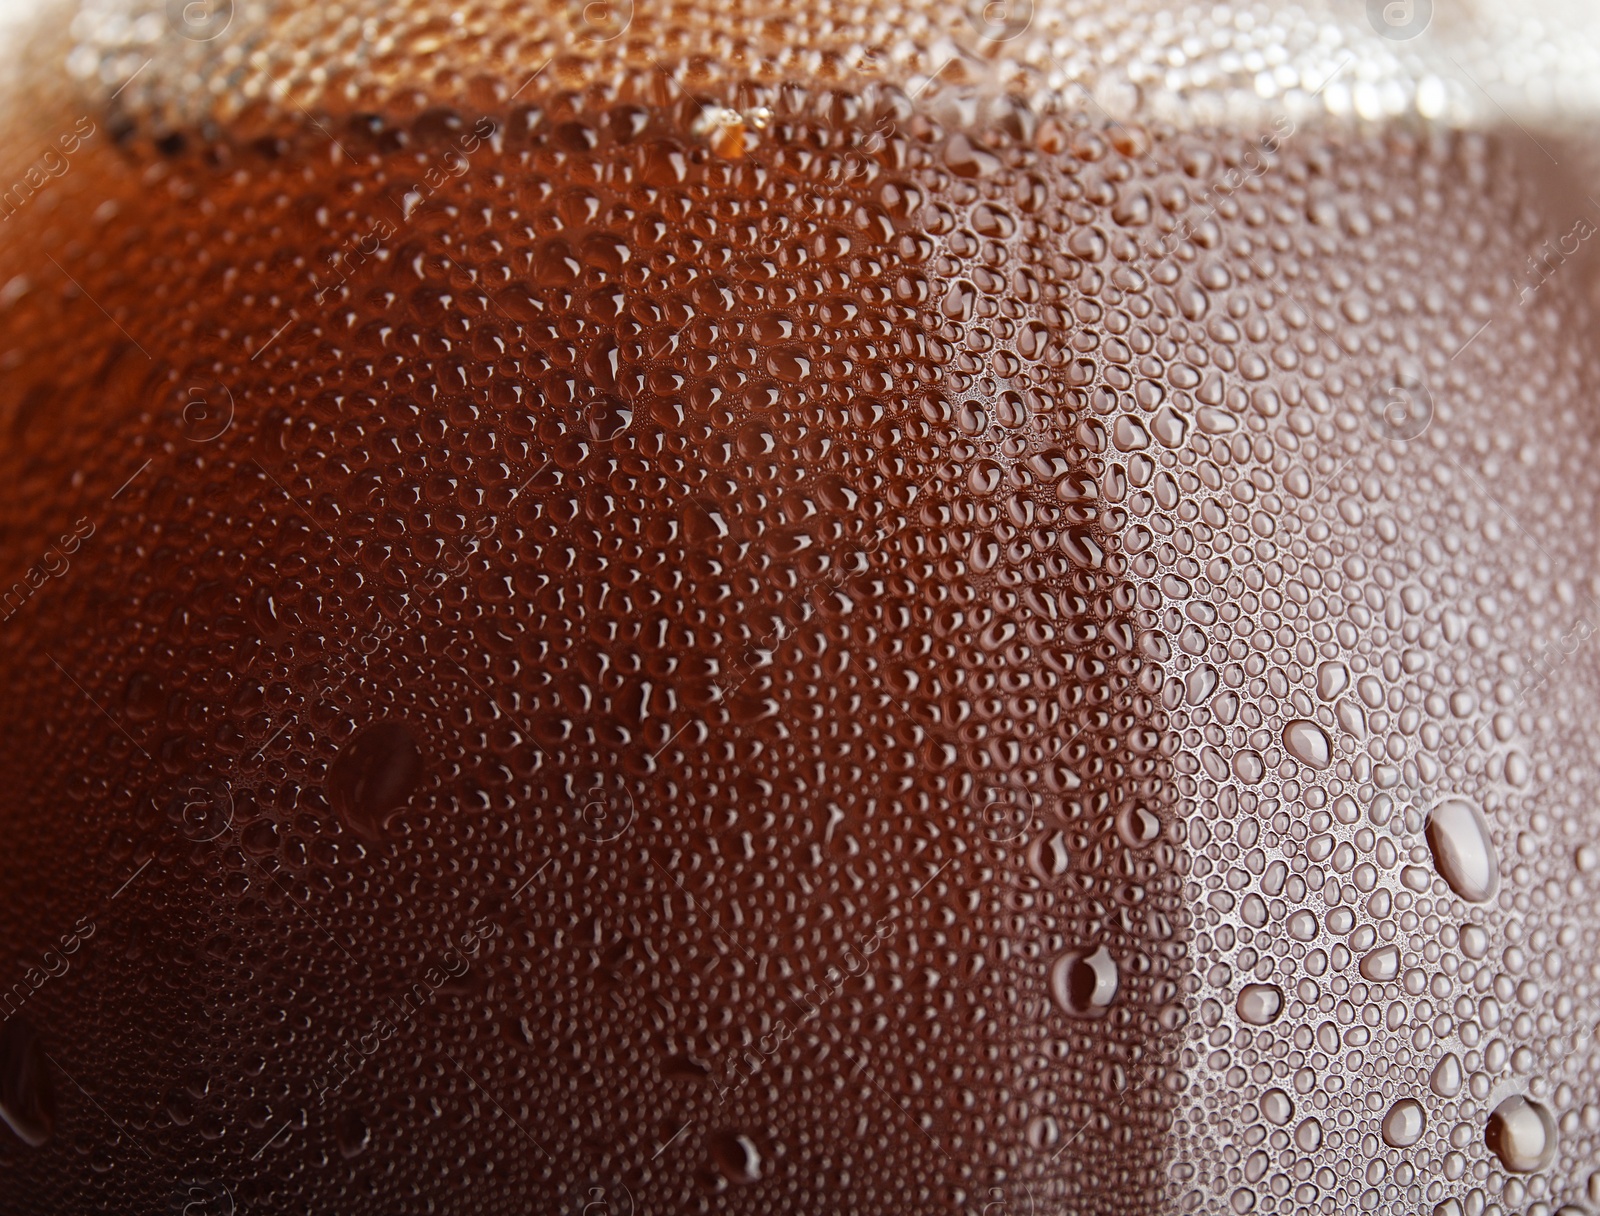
(1446, 1078)
(1260, 1004)
(736, 1156)
(1303, 925)
(1226, 708)
(1048, 857)
(1586, 858)
(1138, 826)
(1474, 941)
(1308, 743)
(607, 419)
(1043, 1131)
(1308, 1136)
(1382, 965)
(352, 1134)
(1522, 1134)
(1084, 985)
(1169, 426)
(373, 776)
(1129, 435)
(1249, 767)
(1276, 1107)
(1200, 683)
(1463, 853)
(1333, 678)
(1404, 1124)
(1352, 718)
(27, 1100)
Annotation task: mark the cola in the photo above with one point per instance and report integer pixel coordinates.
(695, 641)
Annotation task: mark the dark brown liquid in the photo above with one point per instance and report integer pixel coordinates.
(621, 664)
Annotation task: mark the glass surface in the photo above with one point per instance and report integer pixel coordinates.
(798, 609)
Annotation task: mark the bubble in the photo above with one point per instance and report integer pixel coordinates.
(1260, 1004)
(1404, 1124)
(1463, 853)
(1382, 964)
(1522, 1134)
(373, 776)
(1308, 743)
(1084, 985)
(27, 1098)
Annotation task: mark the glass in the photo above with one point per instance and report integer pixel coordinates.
(808, 610)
